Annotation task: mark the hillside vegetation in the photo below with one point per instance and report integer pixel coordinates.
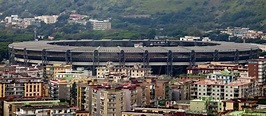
(164, 17)
(168, 14)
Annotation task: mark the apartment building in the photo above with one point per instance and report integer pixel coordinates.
(190, 38)
(225, 76)
(206, 105)
(101, 25)
(59, 89)
(242, 88)
(70, 74)
(84, 89)
(82, 113)
(21, 87)
(48, 19)
(257, 68)
(214, 67)
(38, 107)
(156, 88)
(110, 99)
(60, 109)
(51, 70)
(238, 104)
(180, 89)
(133, 72)
(153, 111)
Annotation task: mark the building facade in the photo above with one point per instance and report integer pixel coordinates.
(100, 25)
(59, 89)
(137, 71)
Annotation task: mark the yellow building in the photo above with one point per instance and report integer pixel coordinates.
(238, 104)
(22, 89)
(82, 113)
(58, 68)
(51, 70)
(82, 88)
(32, 89)
(2, 90)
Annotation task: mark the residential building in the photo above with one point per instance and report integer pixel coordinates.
(15, 21)
(51, 70)
(133, 72)
(109, 97)
(84, 90)
(56, 109)
(59, 89)
(2, 90)
(244, 33)
(71, 74)
(237, 104)
(11, 19)
(241, 88)
(48, 19)
(78, 19)
(12, 105)
(21, 87)
(153, 111)
(206, 39)
(161, 89)
(190, 38)
(214, 67)
(100, 25)
(112, 99)
(206, 105)
(82, 113)
(180, 89)
(225, 76)
(157, 89)
(257, 68)
(21, 81)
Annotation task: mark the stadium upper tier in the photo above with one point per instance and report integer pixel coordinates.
(128, 52)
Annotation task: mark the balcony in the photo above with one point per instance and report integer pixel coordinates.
(111, 107)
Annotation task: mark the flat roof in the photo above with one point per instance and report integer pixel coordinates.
(51, 46)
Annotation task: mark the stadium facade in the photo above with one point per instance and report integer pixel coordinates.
(167, 53)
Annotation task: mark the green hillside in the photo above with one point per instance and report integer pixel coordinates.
(167, 17)
(203, 14)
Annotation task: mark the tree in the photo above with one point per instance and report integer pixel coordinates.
(151, 34)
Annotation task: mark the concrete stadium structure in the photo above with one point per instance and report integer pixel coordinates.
(93, 53)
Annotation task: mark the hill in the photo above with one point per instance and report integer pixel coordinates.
(201, 14)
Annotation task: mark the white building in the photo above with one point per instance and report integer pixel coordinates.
(134, 72)
(48, 19)
(100, 25)
(241, 88)
(11, 19)
(190, 38)
(69, 74)
(224, 76)
(206, 39)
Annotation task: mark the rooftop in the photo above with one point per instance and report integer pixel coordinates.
(118, 45)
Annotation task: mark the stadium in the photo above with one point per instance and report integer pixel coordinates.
(166, 54)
